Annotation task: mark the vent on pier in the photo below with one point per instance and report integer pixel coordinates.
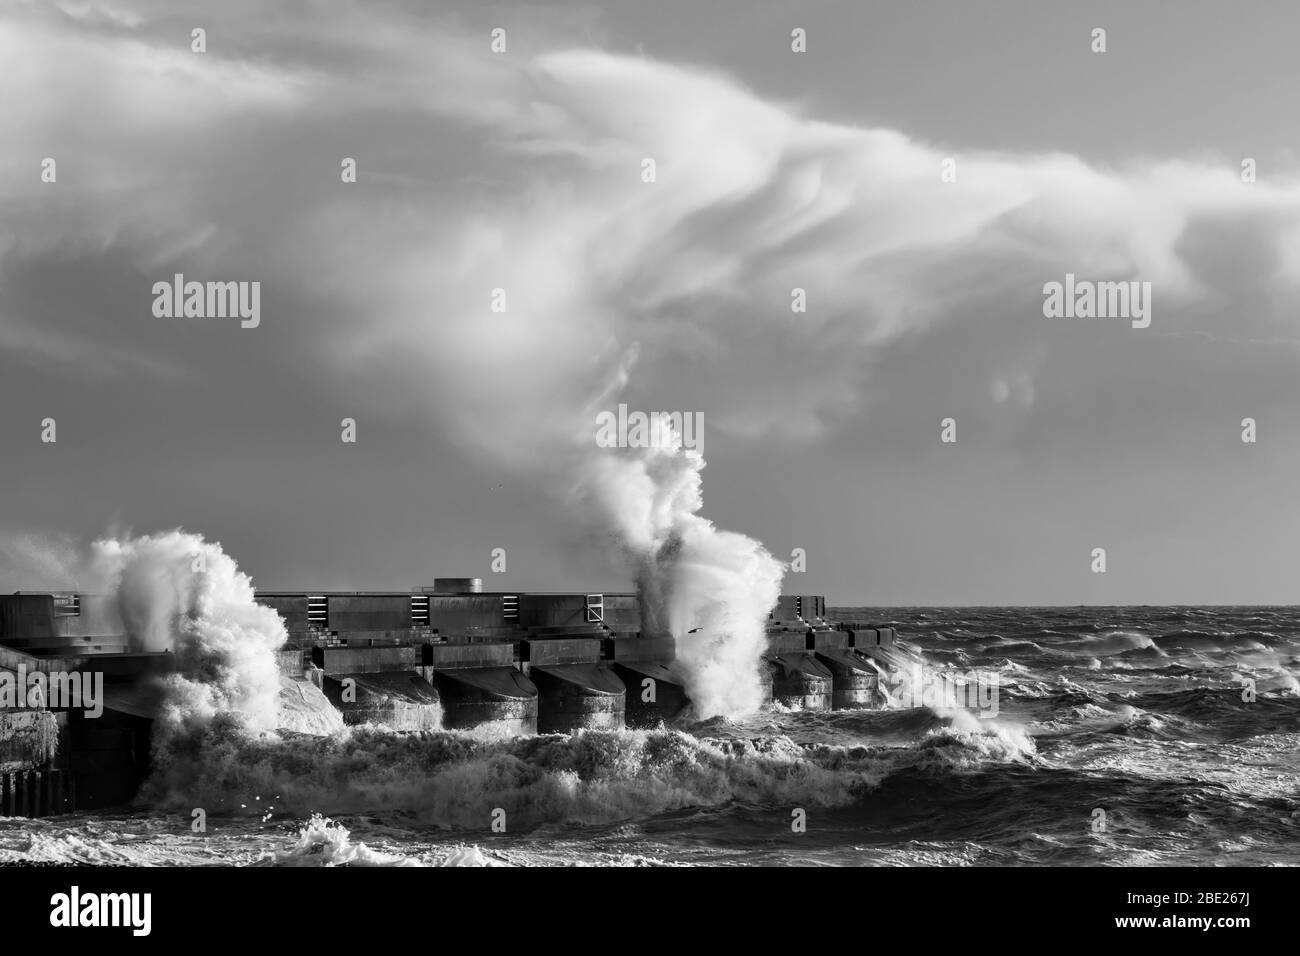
(419, 610)
(317, 611)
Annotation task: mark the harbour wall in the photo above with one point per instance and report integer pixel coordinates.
(490, 663)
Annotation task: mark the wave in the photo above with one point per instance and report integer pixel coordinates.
(1111, 642)
(1012, 648)
(448, 779)
(322, 843)
(1090, 717)
(1219, 640)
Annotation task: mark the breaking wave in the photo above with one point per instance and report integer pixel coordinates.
(450, 779)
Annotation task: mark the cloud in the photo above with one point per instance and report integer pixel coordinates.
(523, 172)
(30, 561)
(96, 360)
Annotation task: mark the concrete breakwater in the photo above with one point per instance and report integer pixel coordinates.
(450, 657)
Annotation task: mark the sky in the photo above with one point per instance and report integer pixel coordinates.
(524, 170)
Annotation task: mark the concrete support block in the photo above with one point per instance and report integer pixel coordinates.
(790, 641)
(561, 650)
(871, 636)
(402, 700)
(856, 678)
(798, 680)
(660, 649)
(494, 700)
(363, 660)
(578, 696)
(820, 640)
(654, 693)
(888, 657)
(468, 654)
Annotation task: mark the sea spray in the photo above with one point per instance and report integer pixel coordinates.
(449, 779)
(691, 576)
(453, 780)
(181, 594)
(324, 842)
(305, 709)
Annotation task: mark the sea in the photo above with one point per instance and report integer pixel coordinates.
(1099, 737)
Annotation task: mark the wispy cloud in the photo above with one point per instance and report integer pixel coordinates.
(544, 147)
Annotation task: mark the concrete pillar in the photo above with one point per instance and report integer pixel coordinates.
(578, 696)
(650, 679)
(856, 679)
(58, 792)
(403, 700)
(495, 700)
(798, 680)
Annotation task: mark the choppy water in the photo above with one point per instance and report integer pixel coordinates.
(1138, 712)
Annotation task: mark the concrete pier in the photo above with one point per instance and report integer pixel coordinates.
(578, 696)
(481, 687)
(36, 793)
(402, 700)
(452, 657)
(857, 679)
(304, 708)
(877, 643)
(655, 693)
(798, 679)
(575, 690)
(496, 700)
(110, 755)
(855, 676)
(378, 685)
